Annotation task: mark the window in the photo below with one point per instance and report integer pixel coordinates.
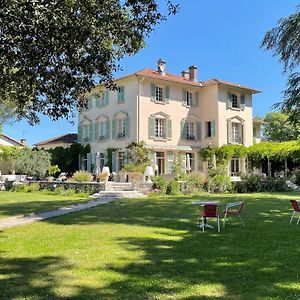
(159, 94)
(190, 162)
(102, 160)
(236, 131)
(210, 129)
(235, 167)
(121, 94)
(189, 99)
(234, 101)
(160, 160)
(160, 131)
(121, 128)
(102, 130)
(190, 131)
(85, 133)
(121, 156)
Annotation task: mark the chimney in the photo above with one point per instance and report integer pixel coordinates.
(185, 74)
(23, 142)
(193, 72)
(161, 67)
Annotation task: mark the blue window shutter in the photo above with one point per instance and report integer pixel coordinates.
(167, 94)
(184, 97)
(89, 162)
(119, 95)
(153, 92)
(107, 128)
(80, 133)
(169, 129)
(183, 130)
(170, 162)
(91, 132)
(114, 129)
(127, 127)
(198, 131)
(229, 100)
(98, 100)
(90, 102)
(106, 97)
(243, 102)
(213, 128)
(114, 161)
(151, 127)
(123, 94)
(196, 102)
(96, 130)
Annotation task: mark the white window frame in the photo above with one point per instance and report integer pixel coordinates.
(159, 94)
(236, 133)
(160, 128)
(190, 131)
(189, 99)
(121, 128)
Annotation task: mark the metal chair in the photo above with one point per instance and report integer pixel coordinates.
(296, 208)
(236, 212)
(209, 211)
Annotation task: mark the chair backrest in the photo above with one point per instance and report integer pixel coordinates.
(241, 206)
(210, 210)
(295, 205)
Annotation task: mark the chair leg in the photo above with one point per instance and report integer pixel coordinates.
(292, 217)
(298, 220)
(218, 224)
(242, 221)
(224, 221)
(203, 224)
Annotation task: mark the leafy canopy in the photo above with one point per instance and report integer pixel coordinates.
(52, 52)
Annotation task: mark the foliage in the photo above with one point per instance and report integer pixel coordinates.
(159, 183)
(135, 168)
(82, 176)
(195, 183)
(103, 176)
(296, 176)
(173, 187)
(53, 169)
(31, 162)
(278, 129)
(208, 152)
(219, 184)
(219, 170)
(283, 40)
(27, 188)
(138, 154)
(67, 158)
(52, 52)
(178, 170)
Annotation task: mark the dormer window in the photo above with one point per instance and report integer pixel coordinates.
(160, 94)
(234, 101)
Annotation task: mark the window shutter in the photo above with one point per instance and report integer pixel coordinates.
(153, 92)
(107, 128)
(169, 129)
(127, 127)
(151, 127)
(196, 102)
(229, 132)
(120, 95)
(96, 132)
(98, 101)
(106, 99)
(114, 161)
(114, 129)
(183, 161)
(213, 128)
(229, 100)
(90, 102)
(243, 102)
(167, 94)
(243, 133)
(89, 162)
(184, 98)
(91, 132)
(198, 131)
(80, 132)
(200, 164)
(183, 130)
(170, 161)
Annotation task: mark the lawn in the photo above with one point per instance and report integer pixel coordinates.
(151, 249)
(18, 203)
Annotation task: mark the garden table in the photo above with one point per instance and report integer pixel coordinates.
(203, 203)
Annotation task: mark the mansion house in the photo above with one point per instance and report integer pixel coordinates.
(173, 115)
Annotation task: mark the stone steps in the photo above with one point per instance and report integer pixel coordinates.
(118, 186)
(117, 195)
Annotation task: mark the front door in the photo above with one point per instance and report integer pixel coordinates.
(160, 157)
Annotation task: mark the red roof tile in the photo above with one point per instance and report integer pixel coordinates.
(11, 139)
(66, 138)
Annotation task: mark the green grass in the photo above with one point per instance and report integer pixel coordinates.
(18, 203)
(151, 249)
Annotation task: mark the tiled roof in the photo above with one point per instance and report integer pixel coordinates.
(66, 138)
(11, 139)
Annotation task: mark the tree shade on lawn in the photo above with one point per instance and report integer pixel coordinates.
(152, 249)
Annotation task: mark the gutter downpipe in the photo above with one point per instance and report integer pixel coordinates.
(138, 107)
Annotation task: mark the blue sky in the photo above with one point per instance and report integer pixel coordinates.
(221, 37)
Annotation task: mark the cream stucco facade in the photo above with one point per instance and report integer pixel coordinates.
(173, 115)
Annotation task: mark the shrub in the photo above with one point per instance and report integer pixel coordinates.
(102, 177)
(33, 187)
(18, 187)
(82, 176)
(195, 183)
(159, 183)
(296, 176)
(219, 184)
(173, 187)
(52, 170)
(135, 168)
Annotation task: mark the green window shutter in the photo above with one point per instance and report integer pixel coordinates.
(169, 129)
(243, 133)
(107, 128)
(90, 102)
(229, 132)
(213, 128)
(196, 102)
(91, 132)
(170, 161)
(167, 94)
(114, 128)
(229, 100)
(96, 132)
(153, 92)
(98, 101)
(89, 162)
(80, 133)
(198, 131)
(184, 97)
(183, 130)
(151, 127)
(121, 94)
(106, 98)
(114, 161)
(243, 102)
(127, 127)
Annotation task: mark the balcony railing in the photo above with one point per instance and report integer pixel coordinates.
(101, 137)
(86, 140)
(121, 135)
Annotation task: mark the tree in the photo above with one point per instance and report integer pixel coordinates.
(53, 52)
(284, 41)
(279, 129)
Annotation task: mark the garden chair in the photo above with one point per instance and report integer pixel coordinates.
(296, 208)
(235, 209)
(209, 211)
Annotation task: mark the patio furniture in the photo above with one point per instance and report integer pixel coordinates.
(235, 209)
(296, 208)
(209, 211)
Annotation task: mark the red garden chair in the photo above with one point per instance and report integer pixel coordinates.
(235, 209)
(296, 208)
(209, 211)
